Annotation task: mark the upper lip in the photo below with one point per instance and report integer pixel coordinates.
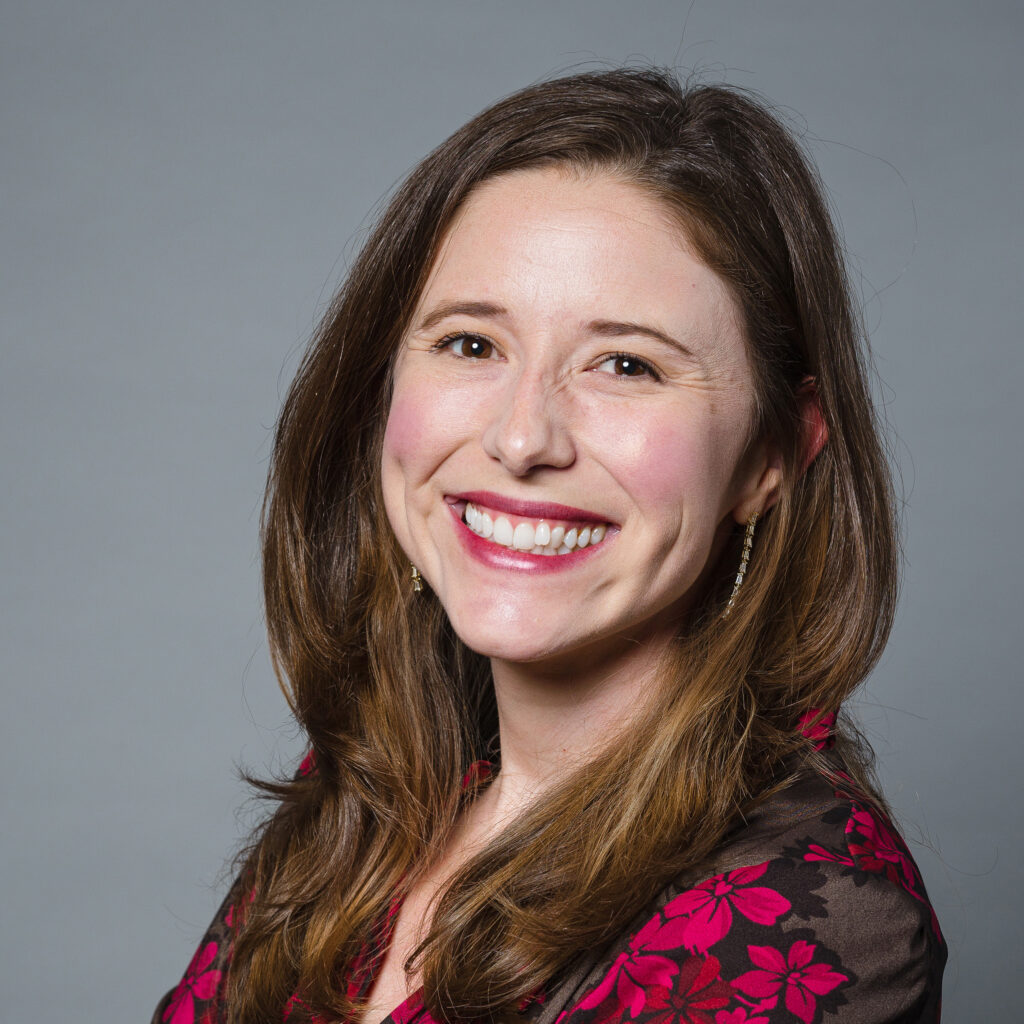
(530, 509)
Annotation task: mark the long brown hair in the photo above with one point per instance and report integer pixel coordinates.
(396, 707)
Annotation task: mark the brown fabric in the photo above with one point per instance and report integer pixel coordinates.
(812, 911)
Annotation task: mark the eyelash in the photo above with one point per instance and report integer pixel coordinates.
(642, 363)
(449, 339)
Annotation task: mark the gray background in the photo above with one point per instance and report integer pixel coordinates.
(183, 184)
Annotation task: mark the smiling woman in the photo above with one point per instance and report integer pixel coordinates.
(525, 409)
(574, 745)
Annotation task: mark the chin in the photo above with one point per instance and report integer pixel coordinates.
(504, 639)
(560, 650)
(523, 650)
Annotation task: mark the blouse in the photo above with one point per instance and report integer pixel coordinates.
(813, 910)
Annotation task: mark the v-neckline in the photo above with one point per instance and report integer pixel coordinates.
(366, 970)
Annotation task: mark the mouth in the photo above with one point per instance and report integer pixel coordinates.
(538, 529)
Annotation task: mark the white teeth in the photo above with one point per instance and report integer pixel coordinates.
(542, 539)
(523, 537)
(503, 532)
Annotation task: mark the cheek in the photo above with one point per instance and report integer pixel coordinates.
(404, 431)
(402, 452)
(669, 464)
(426, 423)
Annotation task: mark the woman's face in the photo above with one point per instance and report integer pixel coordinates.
(572, 375)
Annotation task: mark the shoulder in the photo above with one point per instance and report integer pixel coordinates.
(197, 996)
(813, 911)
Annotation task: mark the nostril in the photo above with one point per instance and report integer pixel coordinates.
(527, 433)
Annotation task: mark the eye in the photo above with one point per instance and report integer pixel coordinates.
(622, 364)
(466, 346)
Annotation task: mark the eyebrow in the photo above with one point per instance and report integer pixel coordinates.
(622, 329)
(483, 310)
(602, 328)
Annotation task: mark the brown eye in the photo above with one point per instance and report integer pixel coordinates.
(470, 346)
(623, 365)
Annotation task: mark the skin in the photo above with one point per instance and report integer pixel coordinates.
(535, 405)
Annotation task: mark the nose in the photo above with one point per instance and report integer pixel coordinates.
(528, 428)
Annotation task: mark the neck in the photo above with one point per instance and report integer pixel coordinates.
(555, 717)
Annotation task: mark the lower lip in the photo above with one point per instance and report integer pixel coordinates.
(499, 557)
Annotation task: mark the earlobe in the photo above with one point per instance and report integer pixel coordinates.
(766, 492)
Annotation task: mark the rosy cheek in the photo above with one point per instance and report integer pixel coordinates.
(661, 463)
(407, 459)
(404, 432)
(427, 421)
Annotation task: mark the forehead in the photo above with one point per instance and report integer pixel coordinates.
(560, 244)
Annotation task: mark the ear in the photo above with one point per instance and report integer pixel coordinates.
(813, 429)
(766, 475)
(813, 437)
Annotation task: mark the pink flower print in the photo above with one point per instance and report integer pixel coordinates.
(198, 983)
(739, 1016)
(696, 992)
(306, 1014)
(818, 728)
(477, 774)
(876, 848)
(237, 911)
(708, 907)
(408, 1009)
(803, 980)
(638, 970)
(816, 852)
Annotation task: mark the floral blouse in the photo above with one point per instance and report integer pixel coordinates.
(813, 911)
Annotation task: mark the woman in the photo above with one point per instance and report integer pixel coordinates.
(578, 535)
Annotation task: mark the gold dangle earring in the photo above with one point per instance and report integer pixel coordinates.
(748, 543)
(417, 579)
